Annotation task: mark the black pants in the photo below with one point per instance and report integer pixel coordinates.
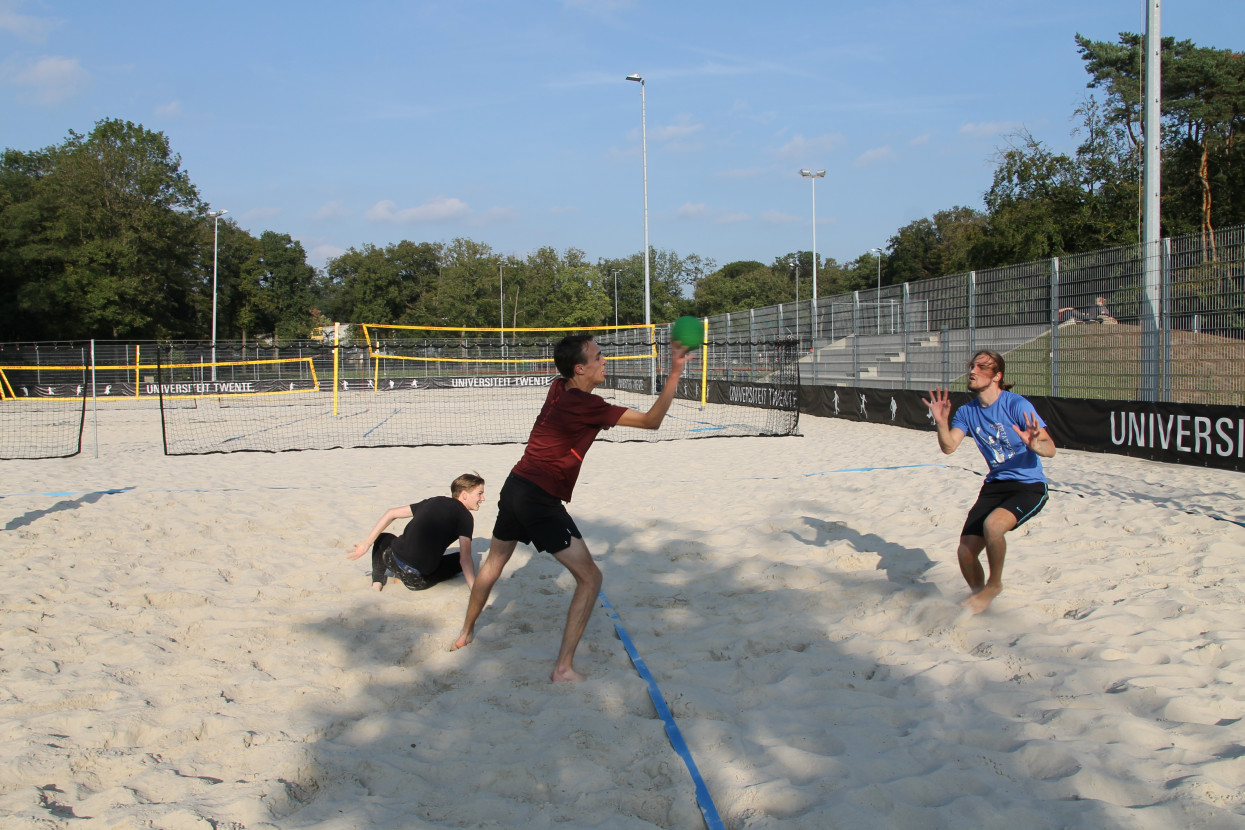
(384, 562)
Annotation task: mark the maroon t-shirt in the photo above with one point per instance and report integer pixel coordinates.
(566, 427)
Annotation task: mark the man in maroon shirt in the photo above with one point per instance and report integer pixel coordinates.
(530, 508)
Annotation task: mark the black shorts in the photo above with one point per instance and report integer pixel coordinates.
(527, 514)
(1022, 499)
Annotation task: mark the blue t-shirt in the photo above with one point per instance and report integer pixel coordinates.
(991, 427)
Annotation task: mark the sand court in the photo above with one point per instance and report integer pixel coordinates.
(184, 644)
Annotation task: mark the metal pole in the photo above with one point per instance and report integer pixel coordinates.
(215, 246)
(648, 311)
(1151, 240)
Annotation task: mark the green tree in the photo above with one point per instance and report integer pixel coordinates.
(276, 286)
(396, 284)
(102, 235)
(1203, 94)
(741, 285)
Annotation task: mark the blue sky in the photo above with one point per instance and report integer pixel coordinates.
(344, 124)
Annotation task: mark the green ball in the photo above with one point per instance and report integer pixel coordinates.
(688, 331)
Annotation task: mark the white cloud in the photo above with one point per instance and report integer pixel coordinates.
(321, 254)
(260, 213)
(437, 209)
(800, 147)
(498, 214)
(777, 217)
(692, 211)
(27, 28)
(732, 218)
(50, 80)
(332, 210)
(987, 129)
(173, 109)
(682, 128)
(917, 141)
(875, 156)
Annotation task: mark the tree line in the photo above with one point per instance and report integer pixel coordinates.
(105, 235)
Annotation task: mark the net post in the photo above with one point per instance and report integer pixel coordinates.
(164, 433)
(704, 364)
(94, 399)
(337, 339)
(138, 368)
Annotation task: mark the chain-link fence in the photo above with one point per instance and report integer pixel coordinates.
(1082, 326)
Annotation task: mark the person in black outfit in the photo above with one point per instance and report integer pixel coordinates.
(418, 558)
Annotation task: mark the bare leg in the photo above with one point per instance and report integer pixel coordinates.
(498, 555)
(587, 575)
(985, 590)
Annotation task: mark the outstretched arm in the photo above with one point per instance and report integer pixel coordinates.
(939, 403)
(389, 518)
(657, 412)
(1035, 437)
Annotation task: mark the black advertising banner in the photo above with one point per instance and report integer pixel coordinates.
(1199, 434)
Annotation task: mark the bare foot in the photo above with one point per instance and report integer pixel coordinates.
(566, 676)
(980, 601)
(462, 641)
(378, 586)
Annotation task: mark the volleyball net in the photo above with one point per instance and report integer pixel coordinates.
(425, 386)
(43, 407)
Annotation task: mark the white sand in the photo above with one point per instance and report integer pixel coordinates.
(196, 651)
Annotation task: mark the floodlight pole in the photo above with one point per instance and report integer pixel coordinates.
(215, 247)
(813, 176)
(648, 312)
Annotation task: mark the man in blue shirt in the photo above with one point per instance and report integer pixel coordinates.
(1011, 437)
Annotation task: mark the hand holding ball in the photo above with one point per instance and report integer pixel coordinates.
(688, 332)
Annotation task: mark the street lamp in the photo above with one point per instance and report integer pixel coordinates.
(215, 247)
(616, 297)
(813, 176)
(648, 319)
(878, 251)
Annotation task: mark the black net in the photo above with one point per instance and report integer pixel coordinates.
(399, 391)
(43, 393)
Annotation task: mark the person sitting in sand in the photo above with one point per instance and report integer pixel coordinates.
(1015, 488)
(1100, 313)
(418, 558)
(530, 507)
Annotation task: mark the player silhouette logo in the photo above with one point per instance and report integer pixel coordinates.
(863, 413)
(894, 409)
(836, 402)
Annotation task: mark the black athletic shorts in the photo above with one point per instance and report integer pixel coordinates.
(527, 514)
(1022, 499)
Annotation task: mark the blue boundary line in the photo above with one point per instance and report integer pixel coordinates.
(707, 809)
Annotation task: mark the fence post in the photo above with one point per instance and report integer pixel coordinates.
(1054, 327)
(1165, 321)
(856, 335)
(946, 357)
(907, 338)
(972, 312)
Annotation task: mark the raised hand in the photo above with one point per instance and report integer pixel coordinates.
(939, 403)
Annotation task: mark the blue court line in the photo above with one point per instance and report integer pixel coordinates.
(710, 812)
(871, 469)
(190, 490)
(383, 422)
(72, 493)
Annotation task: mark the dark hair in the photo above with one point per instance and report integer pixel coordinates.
(465, 482)
(1000, 365)
(569, 353)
